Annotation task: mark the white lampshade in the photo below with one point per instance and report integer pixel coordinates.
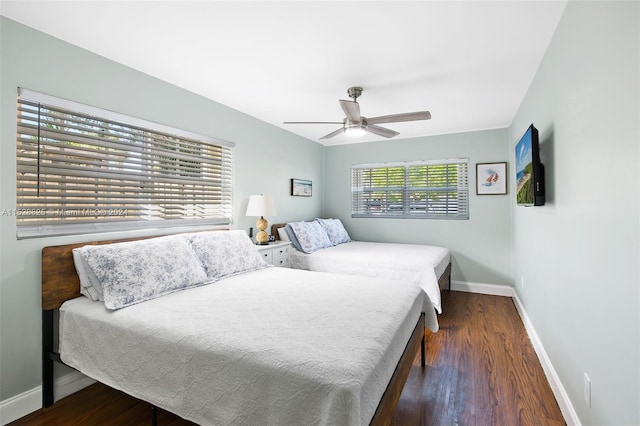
(261, 205)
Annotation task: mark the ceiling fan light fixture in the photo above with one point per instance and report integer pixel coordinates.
(355, 131)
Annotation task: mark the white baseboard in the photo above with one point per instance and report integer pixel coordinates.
(27, 402)
(20, 405)
(482, 288)
(70, 383)
(569, 413)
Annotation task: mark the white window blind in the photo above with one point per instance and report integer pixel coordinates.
(435, 189)
(81, 169)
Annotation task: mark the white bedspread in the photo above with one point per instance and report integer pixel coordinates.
(416, 263)
(271, 347)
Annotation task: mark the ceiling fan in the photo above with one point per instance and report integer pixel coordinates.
(356, 124)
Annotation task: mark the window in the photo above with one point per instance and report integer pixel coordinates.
(423, 189)
(82, 169)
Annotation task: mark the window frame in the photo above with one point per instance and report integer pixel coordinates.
(398, 195)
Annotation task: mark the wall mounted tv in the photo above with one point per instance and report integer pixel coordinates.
(529, 170)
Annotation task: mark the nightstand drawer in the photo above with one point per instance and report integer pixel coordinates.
(267, 255)
(281, 261)
(281, 251)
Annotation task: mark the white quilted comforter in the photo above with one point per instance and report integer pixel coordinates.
(415, 263)
(271, 347)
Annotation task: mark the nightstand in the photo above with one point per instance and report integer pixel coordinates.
(276, 253)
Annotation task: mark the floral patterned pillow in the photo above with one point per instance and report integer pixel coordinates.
(135, 271)
(311, 236)
(226, 253)
(335, 230)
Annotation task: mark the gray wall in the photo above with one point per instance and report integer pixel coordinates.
(480, 246)
(39, 62)
(579, 253)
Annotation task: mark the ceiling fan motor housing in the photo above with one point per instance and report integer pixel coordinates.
(350, 123)
(354, 92)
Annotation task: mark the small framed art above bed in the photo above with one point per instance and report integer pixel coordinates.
(199, 325)
(324, 245)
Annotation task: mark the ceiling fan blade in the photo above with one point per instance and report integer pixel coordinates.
(332, 134)
(396, 118)
(381, 131)
(312, 122)
(352, 110)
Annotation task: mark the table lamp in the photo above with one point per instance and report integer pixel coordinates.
(261, 205)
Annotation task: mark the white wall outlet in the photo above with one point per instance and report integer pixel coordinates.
(521, 281)
(587, 390)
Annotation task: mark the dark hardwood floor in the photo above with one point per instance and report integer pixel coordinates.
(481, 370)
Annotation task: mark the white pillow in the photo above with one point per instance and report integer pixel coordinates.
(282, 234)
(311, 236)
(89, 283)
(134, 271)
(335, 230)
(226, 253)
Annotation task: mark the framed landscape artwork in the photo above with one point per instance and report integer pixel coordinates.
(491, 178)
(301, 188)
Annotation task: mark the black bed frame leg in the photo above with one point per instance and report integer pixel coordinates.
(154, 415)
(422, 352)
(47, 361)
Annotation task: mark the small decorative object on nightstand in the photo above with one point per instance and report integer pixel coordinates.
(261, 205)
(276, 253)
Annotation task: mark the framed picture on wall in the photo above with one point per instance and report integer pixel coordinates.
(301, 188)
(491, 178)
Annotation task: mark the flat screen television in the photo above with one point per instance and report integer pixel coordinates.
(529, 170)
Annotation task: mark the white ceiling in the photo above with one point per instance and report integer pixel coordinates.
(468, 62)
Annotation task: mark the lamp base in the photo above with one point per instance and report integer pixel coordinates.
(262, 238)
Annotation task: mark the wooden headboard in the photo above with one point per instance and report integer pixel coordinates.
(274, 229)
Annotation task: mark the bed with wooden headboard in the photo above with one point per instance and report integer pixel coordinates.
(428, 266)
(60, 283)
